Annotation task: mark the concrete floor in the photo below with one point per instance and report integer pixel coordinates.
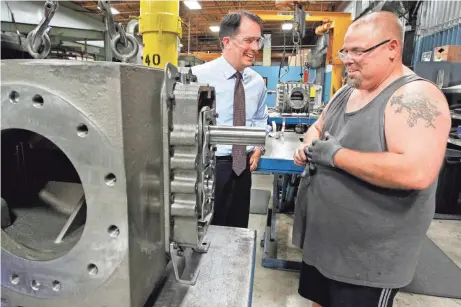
(276, 288)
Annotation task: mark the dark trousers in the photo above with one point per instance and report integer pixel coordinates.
(232, 195)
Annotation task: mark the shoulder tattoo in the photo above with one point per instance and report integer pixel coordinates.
(418, 106)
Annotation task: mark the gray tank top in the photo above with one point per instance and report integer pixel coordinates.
(357, 232)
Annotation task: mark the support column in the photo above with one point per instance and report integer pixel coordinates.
(160, 27)
(107, 50)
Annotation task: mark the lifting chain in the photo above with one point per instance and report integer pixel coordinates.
(298, 33)
(297, 48)
(38, 41)
(123, 45)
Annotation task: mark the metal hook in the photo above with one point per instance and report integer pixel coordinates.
(121, 31)
(104, 5)
(39, 36)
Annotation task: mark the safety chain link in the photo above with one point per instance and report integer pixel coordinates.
(123, 45)
(297, 47)
(38, 41)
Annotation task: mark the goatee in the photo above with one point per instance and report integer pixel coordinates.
(355, 83)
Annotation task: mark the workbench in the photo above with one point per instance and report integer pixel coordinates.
(278, 160)
(225, 277)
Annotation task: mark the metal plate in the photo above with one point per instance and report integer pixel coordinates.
(95, 245)
(226, 273)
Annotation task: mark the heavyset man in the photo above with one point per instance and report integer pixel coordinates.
(378, 147)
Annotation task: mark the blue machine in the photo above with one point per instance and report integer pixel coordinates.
(291, 120)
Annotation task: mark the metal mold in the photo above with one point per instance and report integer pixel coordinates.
(140, 143)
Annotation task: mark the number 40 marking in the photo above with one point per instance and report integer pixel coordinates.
(155, 59)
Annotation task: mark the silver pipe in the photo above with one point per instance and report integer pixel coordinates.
(228, 135)
(184, 205)
(131, 27)
(183, 161)
(183, 135)
(183, 186)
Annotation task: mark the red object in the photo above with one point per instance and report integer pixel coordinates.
(306, 76)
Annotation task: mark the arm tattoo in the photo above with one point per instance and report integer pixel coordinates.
(418, 107)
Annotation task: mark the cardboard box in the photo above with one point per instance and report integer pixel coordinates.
(449, 53)
(298, 60)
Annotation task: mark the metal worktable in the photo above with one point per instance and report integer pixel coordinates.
(225, 277)
(278, 160)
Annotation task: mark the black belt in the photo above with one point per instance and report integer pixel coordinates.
(223, 158)
(229, 157)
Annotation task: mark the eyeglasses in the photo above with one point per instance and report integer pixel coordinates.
(247, 40)
(356, 53)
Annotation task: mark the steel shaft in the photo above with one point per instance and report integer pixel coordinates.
(227, 135)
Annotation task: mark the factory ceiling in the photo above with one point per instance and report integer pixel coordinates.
(197, 35)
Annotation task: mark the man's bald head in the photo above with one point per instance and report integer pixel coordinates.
(372, 49)
(385, 25)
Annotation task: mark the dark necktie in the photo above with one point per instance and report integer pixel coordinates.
(239, 159)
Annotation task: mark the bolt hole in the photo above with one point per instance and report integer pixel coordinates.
(110, 179)
(35, 285)
(56, 285)
(82, 130)
(14, 278)
(113, 231)
(14, 97)
(92, 269)
(203, 243)
(38, 101)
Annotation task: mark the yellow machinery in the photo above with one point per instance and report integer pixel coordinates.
(335, 22)
(160, 27)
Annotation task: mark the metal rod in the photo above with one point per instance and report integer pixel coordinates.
(70, 220)
(228, 135)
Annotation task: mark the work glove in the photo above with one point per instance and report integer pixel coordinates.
(323, 151)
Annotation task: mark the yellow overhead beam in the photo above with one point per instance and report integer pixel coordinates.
(338, 22)
(275, 15)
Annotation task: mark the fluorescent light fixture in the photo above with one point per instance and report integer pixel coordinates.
(214, 28)
(287, 26)
(192, 5)
(114, 11)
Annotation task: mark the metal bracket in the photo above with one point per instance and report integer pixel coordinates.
(203, 248)
(167, 99)
(186, 261)
(171, 72)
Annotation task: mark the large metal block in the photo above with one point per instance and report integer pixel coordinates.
(94, 129)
